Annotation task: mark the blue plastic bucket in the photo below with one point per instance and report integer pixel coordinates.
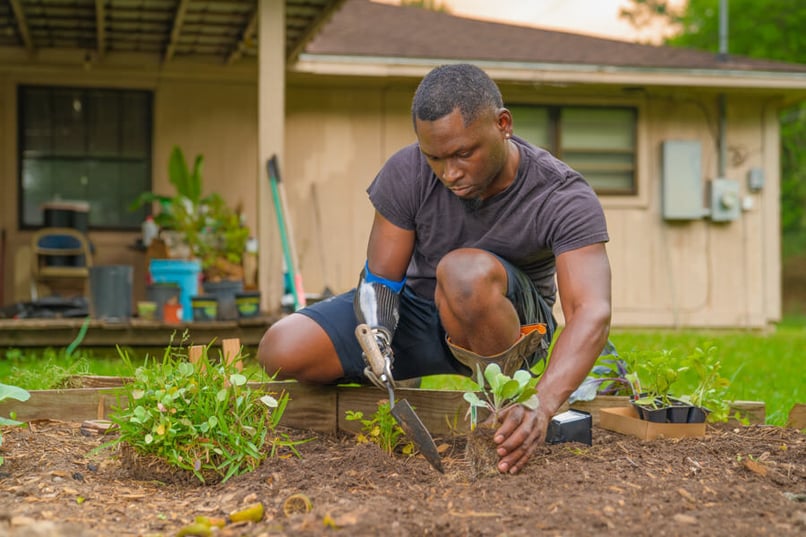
(180, 271)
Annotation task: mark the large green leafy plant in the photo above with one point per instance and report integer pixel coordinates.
(211, 230)
(200, 417)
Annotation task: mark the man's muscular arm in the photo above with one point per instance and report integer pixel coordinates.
(583, 280)
(389, 249)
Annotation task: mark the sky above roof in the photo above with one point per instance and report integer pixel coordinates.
(591, 17)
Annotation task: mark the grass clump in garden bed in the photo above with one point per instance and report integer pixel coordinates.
(196, 419)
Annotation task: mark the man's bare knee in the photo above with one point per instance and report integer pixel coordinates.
(296, 347)
(468, 274)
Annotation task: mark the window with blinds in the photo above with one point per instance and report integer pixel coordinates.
(598, 142)
(86, 144)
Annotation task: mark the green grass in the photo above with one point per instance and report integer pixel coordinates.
(761, 367)
(44, 369)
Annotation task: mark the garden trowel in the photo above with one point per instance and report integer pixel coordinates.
(379, 372)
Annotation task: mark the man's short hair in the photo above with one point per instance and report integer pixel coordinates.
(447, 87)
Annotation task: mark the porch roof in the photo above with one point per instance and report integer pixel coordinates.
(224, 31)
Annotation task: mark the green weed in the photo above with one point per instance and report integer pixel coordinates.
(201, 417)
(381, 429)
(10, 392)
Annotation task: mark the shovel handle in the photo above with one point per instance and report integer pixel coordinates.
(371, 350)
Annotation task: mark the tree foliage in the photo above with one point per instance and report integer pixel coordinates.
(771, 29)
(768, 29)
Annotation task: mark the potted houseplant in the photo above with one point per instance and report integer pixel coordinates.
(202, 228)
(196, 226)
(497, 392)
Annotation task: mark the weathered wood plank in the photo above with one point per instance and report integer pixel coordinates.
(310, 407)
(441, 411)
(797, 416)
(317, 408)
(754, 411)
(601, 401)
(76, 404)
(133, 333)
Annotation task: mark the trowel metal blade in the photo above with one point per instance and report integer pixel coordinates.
(414, 429)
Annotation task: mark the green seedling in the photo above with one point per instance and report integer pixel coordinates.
(500, 392)
(201, 417)
(10, 392)
(712, 387)
(381, 429)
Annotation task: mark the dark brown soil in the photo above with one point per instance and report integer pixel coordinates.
(737, 481)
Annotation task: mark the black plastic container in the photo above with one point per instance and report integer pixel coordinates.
(205, 308)
(570, 426)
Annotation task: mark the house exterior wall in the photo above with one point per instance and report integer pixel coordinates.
(214, 116)
(669, 274)
(338, 134)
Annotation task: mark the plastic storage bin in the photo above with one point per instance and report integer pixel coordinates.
(180, 271)
(111, 292)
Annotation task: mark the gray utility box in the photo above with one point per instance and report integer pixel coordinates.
(682, 195)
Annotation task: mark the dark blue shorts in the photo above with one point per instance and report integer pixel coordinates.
(419, 342)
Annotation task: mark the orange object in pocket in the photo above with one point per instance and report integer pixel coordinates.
(529, 328)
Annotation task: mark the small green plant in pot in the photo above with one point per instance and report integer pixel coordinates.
(497, 393)
(660, 375)
(708, 397)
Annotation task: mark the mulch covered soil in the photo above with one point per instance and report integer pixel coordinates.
(736, 481)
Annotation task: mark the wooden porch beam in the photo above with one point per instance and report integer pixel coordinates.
(100, 26)
(248, 33)
(179, 20)
(22, 25)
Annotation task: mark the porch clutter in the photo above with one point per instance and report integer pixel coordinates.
(201, 243)
(111, 292)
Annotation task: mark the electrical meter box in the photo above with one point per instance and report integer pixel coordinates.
(725, 200)
(682, 193)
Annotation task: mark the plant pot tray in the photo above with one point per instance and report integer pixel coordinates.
(625, 420)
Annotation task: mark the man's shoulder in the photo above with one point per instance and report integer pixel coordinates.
(407, 163)
(409, 154)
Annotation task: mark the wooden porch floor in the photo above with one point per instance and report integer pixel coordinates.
(25, 333)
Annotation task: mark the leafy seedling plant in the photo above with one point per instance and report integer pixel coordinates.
(500, 392)
(10, 392)
(711, 388)
(199, 417)
(497, 393)
(381, 429)
(611, 375)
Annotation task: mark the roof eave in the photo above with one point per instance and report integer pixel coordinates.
(555, 73)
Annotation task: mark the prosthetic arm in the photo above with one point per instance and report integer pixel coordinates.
(377, 305)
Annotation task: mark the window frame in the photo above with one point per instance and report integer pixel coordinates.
(88, 156)
(556, 132)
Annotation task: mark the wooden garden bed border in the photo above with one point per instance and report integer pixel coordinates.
(317, 408)
(311, 407)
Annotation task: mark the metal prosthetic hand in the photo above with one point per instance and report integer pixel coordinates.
(377, 307)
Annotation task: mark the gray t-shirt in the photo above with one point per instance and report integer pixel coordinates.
(547, 210)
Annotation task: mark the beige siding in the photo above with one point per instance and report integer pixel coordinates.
(695, 273)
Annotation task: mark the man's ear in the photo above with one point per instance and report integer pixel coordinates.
(504, 121)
